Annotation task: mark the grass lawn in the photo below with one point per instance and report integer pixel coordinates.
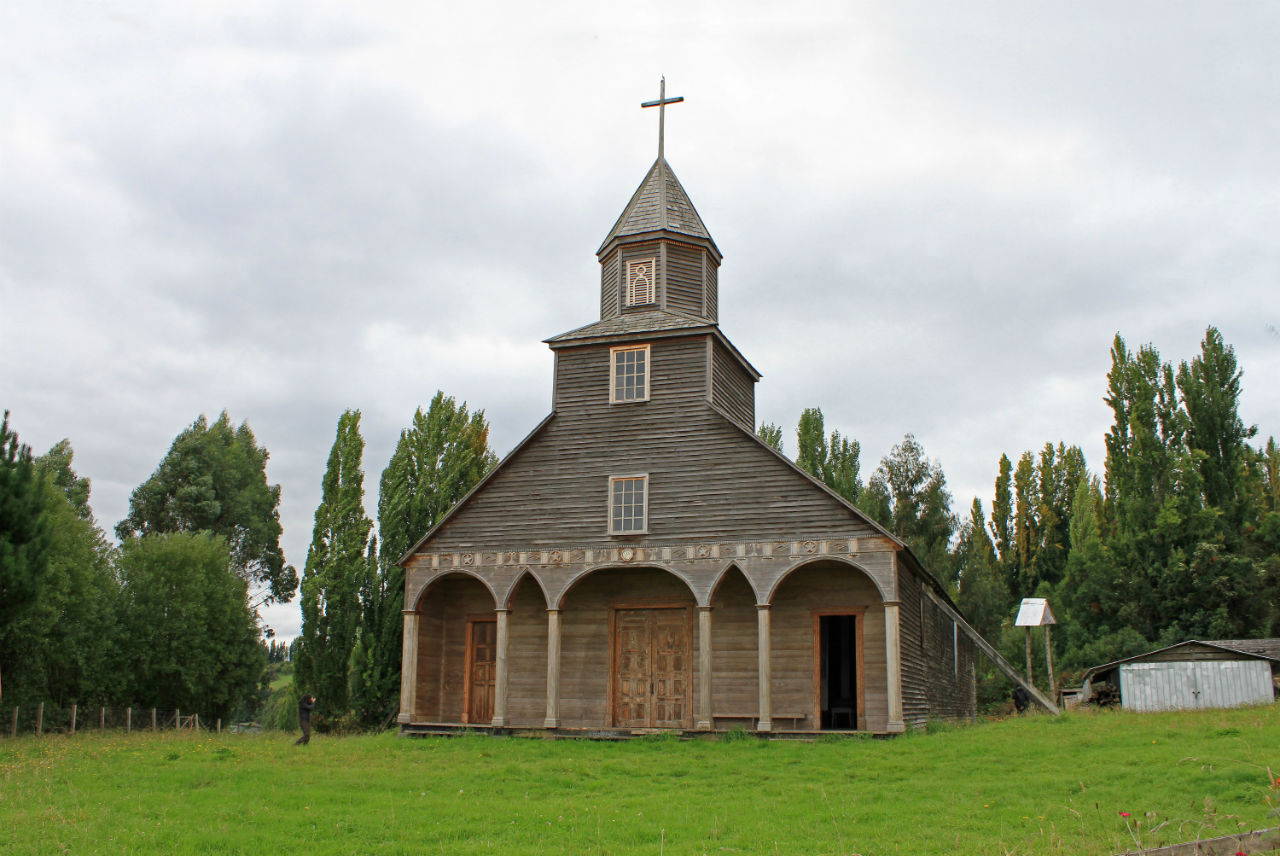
(1033, 785)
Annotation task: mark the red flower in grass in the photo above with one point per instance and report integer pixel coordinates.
(1124, 814)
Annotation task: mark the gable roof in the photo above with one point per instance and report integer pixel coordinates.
(1233, 647)
(659, 203)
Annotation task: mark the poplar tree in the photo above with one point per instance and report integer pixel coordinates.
(439, 458)
(24, 537)
(336, 568)
(834, 461)
(770, 434)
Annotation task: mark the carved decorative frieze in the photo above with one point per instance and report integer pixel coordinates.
(631, 554)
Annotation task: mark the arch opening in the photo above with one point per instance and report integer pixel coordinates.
(457, 651)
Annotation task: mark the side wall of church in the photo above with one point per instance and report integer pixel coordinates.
(938, 660)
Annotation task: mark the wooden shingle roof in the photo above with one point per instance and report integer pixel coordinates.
(659, 203)
(654, 321)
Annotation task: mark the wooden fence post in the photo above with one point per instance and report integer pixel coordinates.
(196, 721)
(73, 720)
(102, 719)
(177, 718)
(219, 725)
(40, 719)
(128, 720)
(13, 731)
(153, 719)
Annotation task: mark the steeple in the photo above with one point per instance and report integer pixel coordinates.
(659, 254)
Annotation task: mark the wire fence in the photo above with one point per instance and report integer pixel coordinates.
(40, 719)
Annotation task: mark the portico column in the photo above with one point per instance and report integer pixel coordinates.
(409, 667)
(893, 663)
(553, 669)
(500, 673)
(705, 721)
(765, 669)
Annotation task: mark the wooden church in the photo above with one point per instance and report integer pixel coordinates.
(642, 560)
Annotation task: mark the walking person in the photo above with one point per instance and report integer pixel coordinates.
(306, 704)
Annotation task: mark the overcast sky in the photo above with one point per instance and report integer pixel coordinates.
(934, 216)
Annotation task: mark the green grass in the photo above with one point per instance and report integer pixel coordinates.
(1034, 785)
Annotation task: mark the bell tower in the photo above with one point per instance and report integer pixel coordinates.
(659, 255)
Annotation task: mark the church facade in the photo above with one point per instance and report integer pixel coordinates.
(642, 560)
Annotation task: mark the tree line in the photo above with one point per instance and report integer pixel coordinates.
(167, 617)
(1177, 537)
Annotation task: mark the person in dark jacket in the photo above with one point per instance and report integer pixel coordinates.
(306, 704)
(1021, 698)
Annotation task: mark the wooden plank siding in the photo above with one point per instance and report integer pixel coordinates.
(938, 661)
(712, 287)
(732, 389)
(610, 301)
(734, 648)
(684, 279)
(706, 479)
(527, 656)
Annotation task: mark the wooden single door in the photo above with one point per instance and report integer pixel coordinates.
(482, 666)
(652, 657)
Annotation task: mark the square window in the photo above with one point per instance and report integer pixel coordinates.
(630, 374)
(640, 281)
(628, 504)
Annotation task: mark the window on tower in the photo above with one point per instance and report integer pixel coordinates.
(640, 276)
(628, 504)
(630, 374)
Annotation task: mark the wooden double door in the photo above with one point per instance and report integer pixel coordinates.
(652, 675)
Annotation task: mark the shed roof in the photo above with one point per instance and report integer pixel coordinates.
(1223, 646)
(659, 203)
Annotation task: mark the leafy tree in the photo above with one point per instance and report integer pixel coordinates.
(336, 568)
(24, 537)
(188, 638)
(71, 628)
(908, 495)
(984, 594)
(833, 461)
(439, 458)
(1210, 387)
(771, 434)
(214, 478)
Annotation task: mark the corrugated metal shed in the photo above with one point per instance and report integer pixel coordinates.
(1191, 675)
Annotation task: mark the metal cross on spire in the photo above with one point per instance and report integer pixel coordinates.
(661, 104)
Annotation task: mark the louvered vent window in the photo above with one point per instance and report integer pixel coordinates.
(640, 276)
(630, 374)
(628, 504)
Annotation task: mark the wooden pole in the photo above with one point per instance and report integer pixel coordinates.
(13, 731)
(764, 669)
(1048, 657)
(219, 725)
(73, 719)
(40, 719)
(1030, 679)
(128, 720)
(553, 669)
(500, 678)
(177, 718)
(705, 721)
(102, 719)
(197, 723)
(153, 719)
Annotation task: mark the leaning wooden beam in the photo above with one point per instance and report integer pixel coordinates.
(1001, 663)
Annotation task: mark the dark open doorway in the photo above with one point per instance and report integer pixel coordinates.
(838, 696)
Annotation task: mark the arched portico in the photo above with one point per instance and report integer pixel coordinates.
(822, 651)
(621, 650)
(451, 645)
